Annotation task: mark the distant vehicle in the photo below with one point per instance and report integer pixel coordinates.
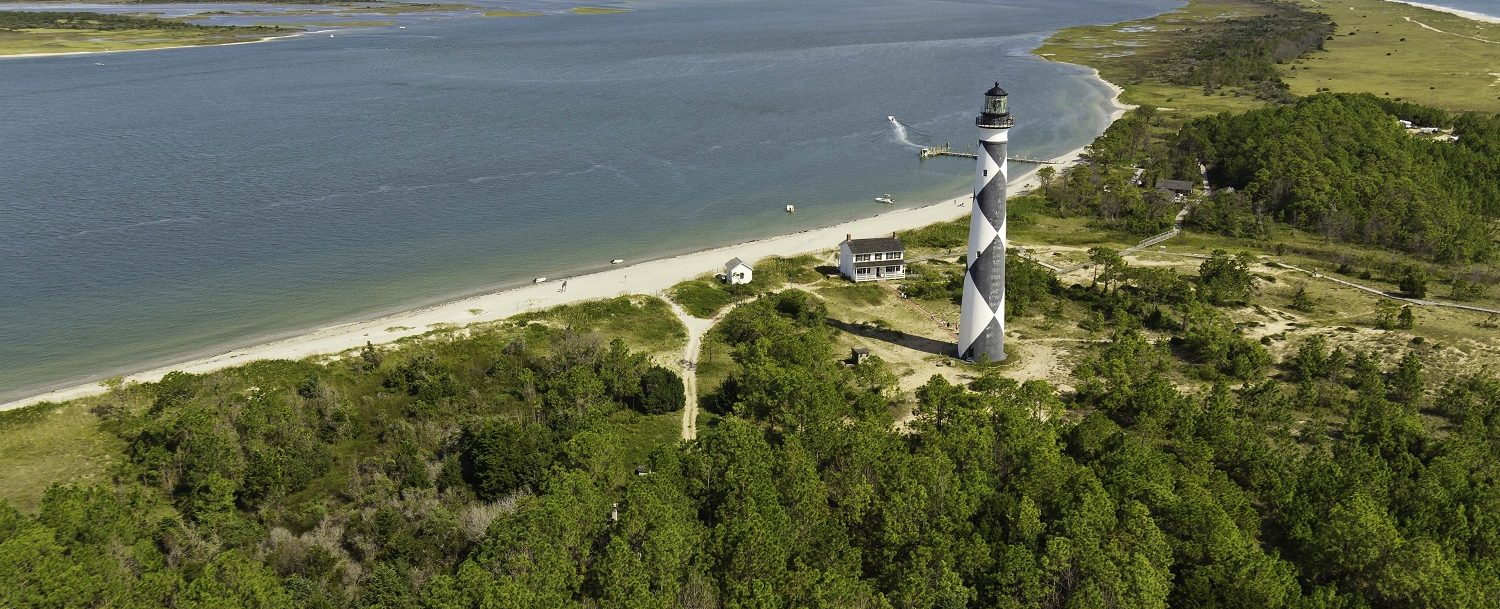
(886, 199)
(617, 261)
(791, 209)
(539, 280)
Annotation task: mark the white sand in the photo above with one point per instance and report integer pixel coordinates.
(651, 277)
(1453, 11)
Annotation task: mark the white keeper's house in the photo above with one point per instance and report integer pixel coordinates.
(736, 271)
(872, 259)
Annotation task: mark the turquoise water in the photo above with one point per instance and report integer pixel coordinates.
(171, 203)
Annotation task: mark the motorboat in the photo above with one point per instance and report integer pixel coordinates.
(791, 209)
(539, 280)
(886, 199)
(617, 261)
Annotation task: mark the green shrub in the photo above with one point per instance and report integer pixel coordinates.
(661, 391)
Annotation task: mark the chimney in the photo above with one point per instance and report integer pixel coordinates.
(848, 237)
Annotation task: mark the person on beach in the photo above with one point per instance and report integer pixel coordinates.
(564, 287)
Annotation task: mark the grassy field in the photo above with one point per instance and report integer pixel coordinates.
(52, 443)
(1405, 52)
(1379, 47)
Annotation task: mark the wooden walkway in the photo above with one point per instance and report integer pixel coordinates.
(946, 150)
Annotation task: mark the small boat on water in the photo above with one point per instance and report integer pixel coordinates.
(617, 261)
(886, 199)
(539, 280)
(890, 118)
(791, 209)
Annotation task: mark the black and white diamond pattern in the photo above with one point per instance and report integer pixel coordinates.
(981, 328)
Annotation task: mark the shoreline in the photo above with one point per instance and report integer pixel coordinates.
(652, 277)
(180, 46)
(1470, 15)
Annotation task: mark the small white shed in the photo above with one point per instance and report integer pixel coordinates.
(736, 271)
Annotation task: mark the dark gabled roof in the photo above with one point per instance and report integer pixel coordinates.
(1174, 185)
(734, 262)
(878, 244)
(995, 91)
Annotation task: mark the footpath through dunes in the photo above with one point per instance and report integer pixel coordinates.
(649, 277)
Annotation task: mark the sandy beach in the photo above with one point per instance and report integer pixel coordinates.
(647, 277)
(1452, 11)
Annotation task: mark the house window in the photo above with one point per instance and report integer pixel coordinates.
(863, 271)
(861, 257)
(893, 269)
(893, 256)
(877, 256)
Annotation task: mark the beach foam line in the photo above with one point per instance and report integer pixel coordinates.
(1481, 17)
(651, 277)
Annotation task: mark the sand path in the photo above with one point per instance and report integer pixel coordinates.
(697, 328)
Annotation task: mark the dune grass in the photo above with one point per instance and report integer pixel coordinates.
(52, 443)
(643, 322)
(703, 297)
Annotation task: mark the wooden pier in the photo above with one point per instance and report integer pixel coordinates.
(946, 150)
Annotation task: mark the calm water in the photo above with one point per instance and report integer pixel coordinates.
(169, 203)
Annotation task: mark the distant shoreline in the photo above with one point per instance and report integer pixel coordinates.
(1471, 15)
(646, 277)
(179, 46)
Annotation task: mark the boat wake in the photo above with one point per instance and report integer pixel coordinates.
(901, 133)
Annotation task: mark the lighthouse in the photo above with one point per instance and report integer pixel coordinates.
(981, 324)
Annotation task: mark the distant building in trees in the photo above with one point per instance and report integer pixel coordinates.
(872, 259)
(1181, 188)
